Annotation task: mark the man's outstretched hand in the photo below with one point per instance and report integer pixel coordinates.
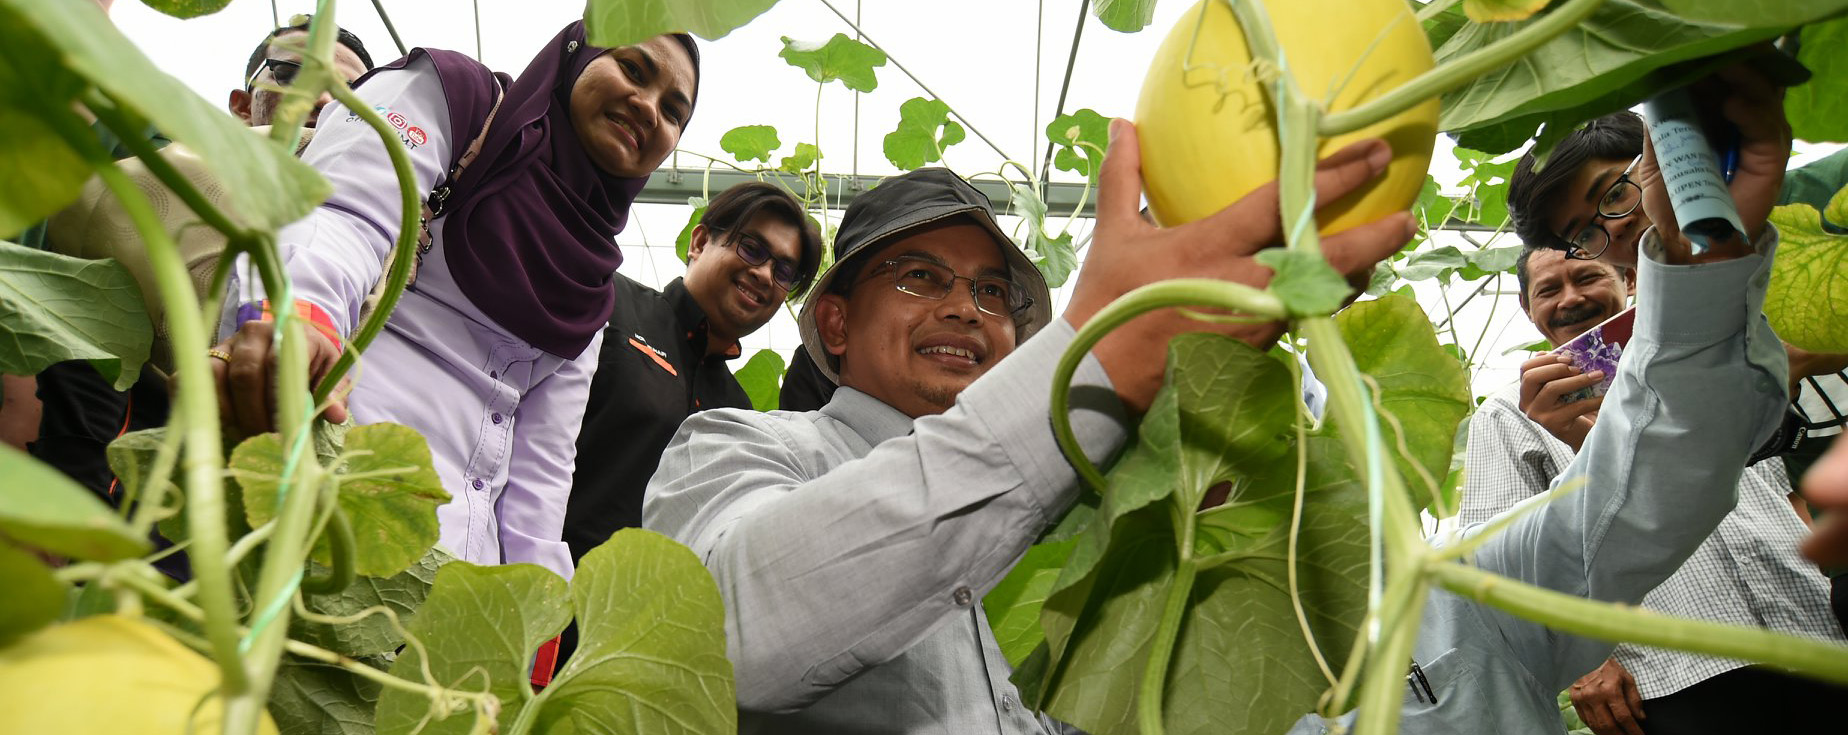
(1128, 252)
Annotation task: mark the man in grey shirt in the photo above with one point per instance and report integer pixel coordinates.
(853, 544)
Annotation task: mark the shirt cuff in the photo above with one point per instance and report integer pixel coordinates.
(1709, 301)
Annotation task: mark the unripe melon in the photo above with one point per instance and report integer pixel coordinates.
(109, 674)
(1208, 129)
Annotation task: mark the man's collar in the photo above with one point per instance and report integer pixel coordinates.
(871, 418)
(692, 319)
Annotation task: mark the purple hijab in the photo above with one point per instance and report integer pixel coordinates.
(530, 227)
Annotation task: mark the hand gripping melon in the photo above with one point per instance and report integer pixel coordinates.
(1208, 130)
(106, 675)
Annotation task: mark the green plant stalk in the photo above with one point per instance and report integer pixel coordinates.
(316, 75)
(1460, 70)
(1579, 616)
(1381, 693)
(195, 405)
(403, 253)
(1178, 292)
(1161, 648)
(1296, 523)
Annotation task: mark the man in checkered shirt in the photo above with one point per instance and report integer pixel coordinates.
(1747, 573)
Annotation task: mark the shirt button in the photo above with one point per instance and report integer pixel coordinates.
(493, 374)
(476, 483)
(1007, 703)
(962, 596)
(496, 418)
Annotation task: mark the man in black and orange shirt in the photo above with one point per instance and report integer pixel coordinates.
(664, 352)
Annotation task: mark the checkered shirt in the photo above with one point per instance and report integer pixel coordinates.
(1746, 573)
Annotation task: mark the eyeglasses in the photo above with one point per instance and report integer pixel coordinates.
(1618, 201)
(754, 253)
(931, 280)
(282, 71)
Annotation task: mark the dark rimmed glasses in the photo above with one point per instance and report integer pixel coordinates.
(932, 280)
(754, 253)
(281, 70)
(1618, 201)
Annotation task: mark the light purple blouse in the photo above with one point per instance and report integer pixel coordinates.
(501, 415)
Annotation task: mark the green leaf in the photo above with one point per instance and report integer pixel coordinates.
(1423, 390)
(806, 155)
(1807, 301)
(33, 597)
(750, 142)
(480, 627)
(1433, 208)
(42, 509)
(265, 185)
(841, 58)
(43, 174)
(1099, 630)
(1818, 109)
(611, 23)
(1491, 11)
(1625, 52)
(1125, 16)
(55, 308)
(401, 594)
(1305, 283)
(1540, 346)
(1495, 260)
(1013, 606)
(684, 242)
(1439, 28)
(313, 698)
(1432, 263)
(651, 644)
(1055, 256)
(1757, 12)
(187, 8)
(387, 489)
(762, 378)
(1081, 138)
(924, 131)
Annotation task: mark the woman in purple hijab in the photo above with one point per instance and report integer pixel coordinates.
(490, 352)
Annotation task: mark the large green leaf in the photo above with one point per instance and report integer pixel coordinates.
(750, 142)
(1807, 302)
(1818, 109)
(1613, 60)
(1757, 12)
(924, 131)
(187, 8)
(1423, 391)
(684, 241)
(651, 645)
(624, 22)
(1127, 16)
(33, 597)
(264, 183)
(388, 491)
(481, 628)
(55, 308)
(762, 378)
(1490, 11)
(313, 698)
(42, 509)
(840, 58)
(805, 156)
(1013, 606)
(401, 594)
(43, 173)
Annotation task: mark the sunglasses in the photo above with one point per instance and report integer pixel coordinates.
(754, 253)
(280, 70)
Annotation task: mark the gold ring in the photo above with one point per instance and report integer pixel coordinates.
(220, 354)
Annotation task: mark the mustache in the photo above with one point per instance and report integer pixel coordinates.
(1574, 316)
